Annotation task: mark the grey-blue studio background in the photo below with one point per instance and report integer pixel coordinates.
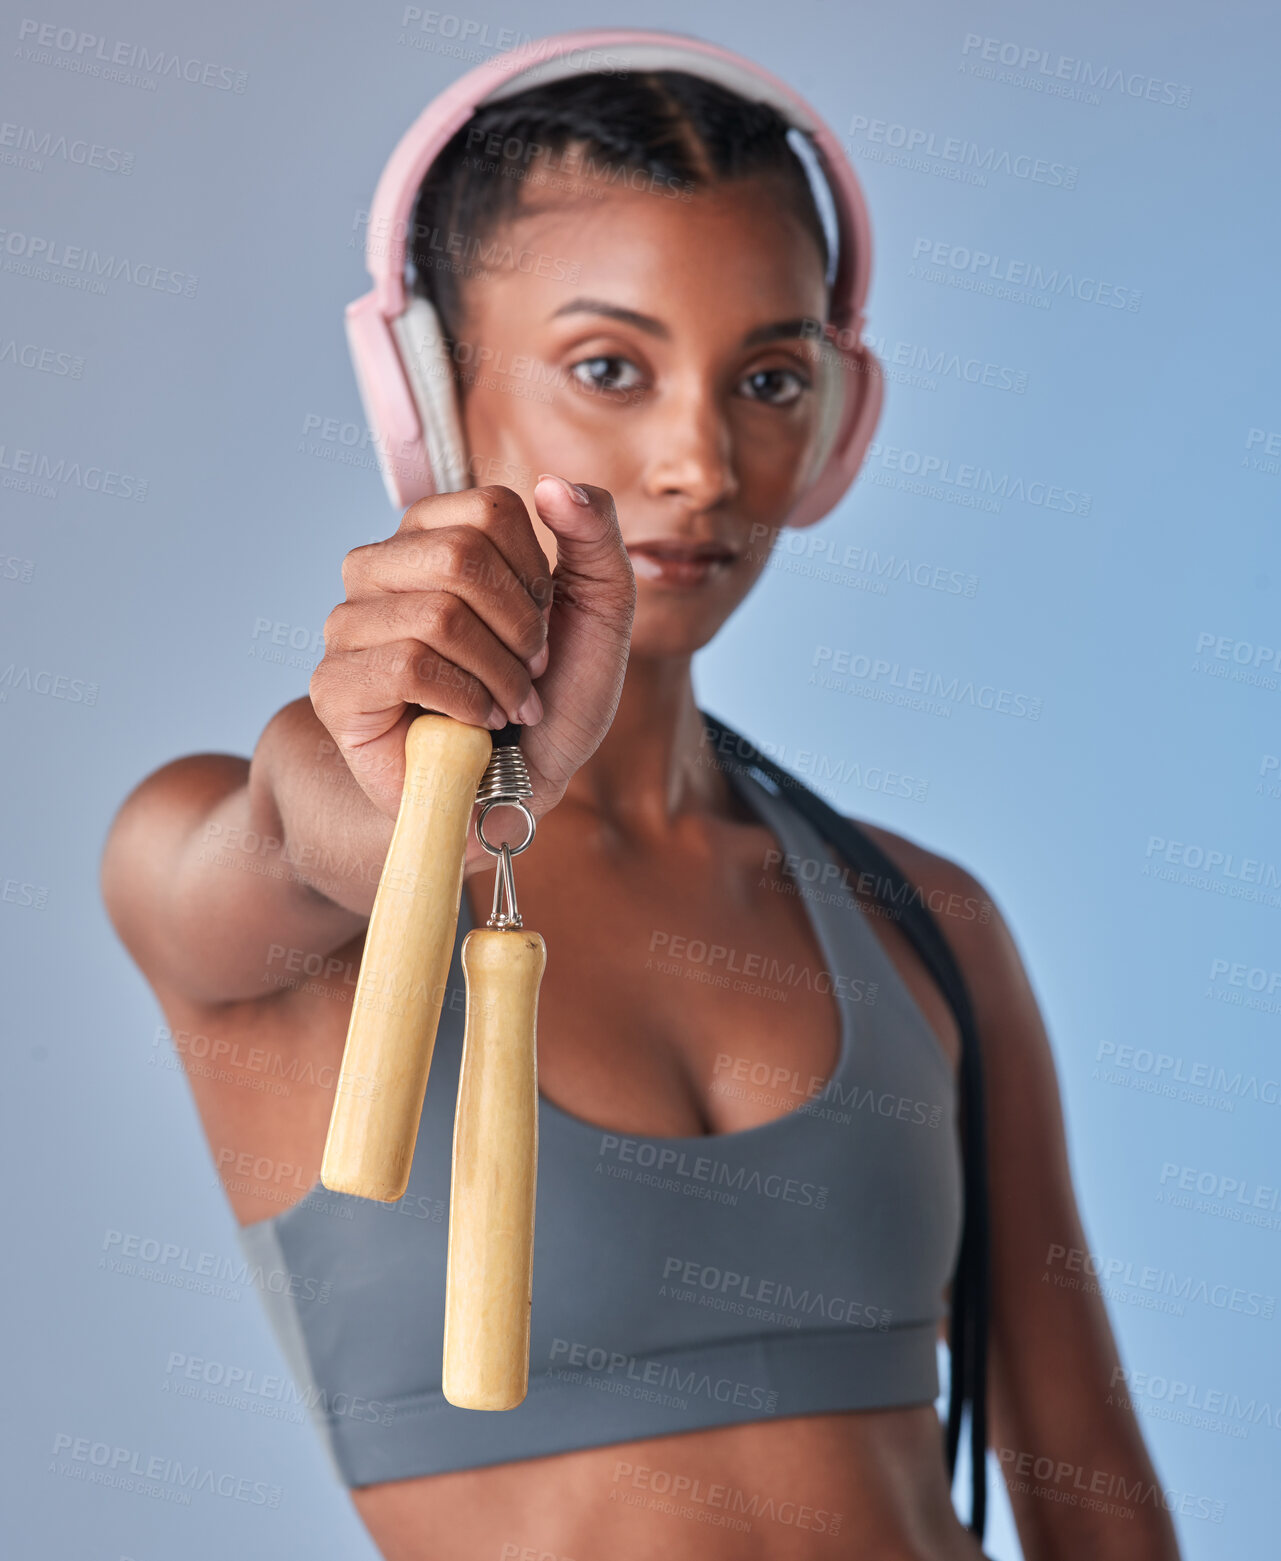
(1040, 636)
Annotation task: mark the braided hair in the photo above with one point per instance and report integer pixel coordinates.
(665, 131)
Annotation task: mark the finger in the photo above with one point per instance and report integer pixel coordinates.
(381, 679)
(588, 543)
(498, 513)
(459, 560)
(447, 625)
(591, 617)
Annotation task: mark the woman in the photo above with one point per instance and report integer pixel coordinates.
(743, 1253)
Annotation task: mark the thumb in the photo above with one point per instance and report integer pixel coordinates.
(589, 630)
(589, 545)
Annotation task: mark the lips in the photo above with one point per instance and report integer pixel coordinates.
(669, 561)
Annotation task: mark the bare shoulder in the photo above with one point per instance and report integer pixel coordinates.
(194, 879)
(969, 916)
(156, 820)
(150, 831)
(922, 866)
(1020, 1076)
(956, 895)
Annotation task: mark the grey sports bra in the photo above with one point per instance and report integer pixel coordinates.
(679, 1283)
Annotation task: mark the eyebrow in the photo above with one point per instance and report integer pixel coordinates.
(803, 325)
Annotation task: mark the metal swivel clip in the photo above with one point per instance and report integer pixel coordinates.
(505, 784)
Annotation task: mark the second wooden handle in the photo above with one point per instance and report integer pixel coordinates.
(378, 1103)
(489, 1282)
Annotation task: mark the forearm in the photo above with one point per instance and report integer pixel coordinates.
(198, 885)
(1144, 1536)
(244, 893)
(1080, 1479)
(1119, 1530)
(333, 838)
(217, 870)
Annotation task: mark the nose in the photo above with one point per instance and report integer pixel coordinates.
(691, 454)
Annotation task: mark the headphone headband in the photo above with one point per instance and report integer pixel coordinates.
(408, 408)
(554, 59)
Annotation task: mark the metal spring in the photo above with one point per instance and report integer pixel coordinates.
(505, 783)
(506, 777)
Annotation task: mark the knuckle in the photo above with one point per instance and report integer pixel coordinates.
(497, 499)
(458, 545)
(442, 615)
(418, 517)
(335, 626)
(354, 564)
(494, 509)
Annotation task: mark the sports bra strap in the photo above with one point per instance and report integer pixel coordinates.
(968, 1322)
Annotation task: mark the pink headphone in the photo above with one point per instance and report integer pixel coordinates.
(401, 358)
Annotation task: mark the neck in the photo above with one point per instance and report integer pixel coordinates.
(653, 764)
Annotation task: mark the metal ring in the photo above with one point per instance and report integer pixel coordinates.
(504, 890)
(504, 802)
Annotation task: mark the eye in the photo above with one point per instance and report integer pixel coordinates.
(606, 373)
(775, 387)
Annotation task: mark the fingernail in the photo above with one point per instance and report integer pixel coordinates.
(531, 712)
(497, 717)
(579, 495)
(537, 663)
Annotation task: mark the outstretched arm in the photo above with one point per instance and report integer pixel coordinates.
(1080, 1479)
(213, 862)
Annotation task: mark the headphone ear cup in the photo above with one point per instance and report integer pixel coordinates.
(424, 354)
(832, 394)
(389, 405)
(851, 388)
(863, 370)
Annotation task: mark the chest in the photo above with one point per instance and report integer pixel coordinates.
(685, 994)
(698, 991)
(661, 986)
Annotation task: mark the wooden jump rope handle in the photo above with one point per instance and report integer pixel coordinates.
(395, 1013)
(489, 1282)
(378, 1103)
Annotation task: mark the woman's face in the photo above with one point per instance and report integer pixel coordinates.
(666, 353)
